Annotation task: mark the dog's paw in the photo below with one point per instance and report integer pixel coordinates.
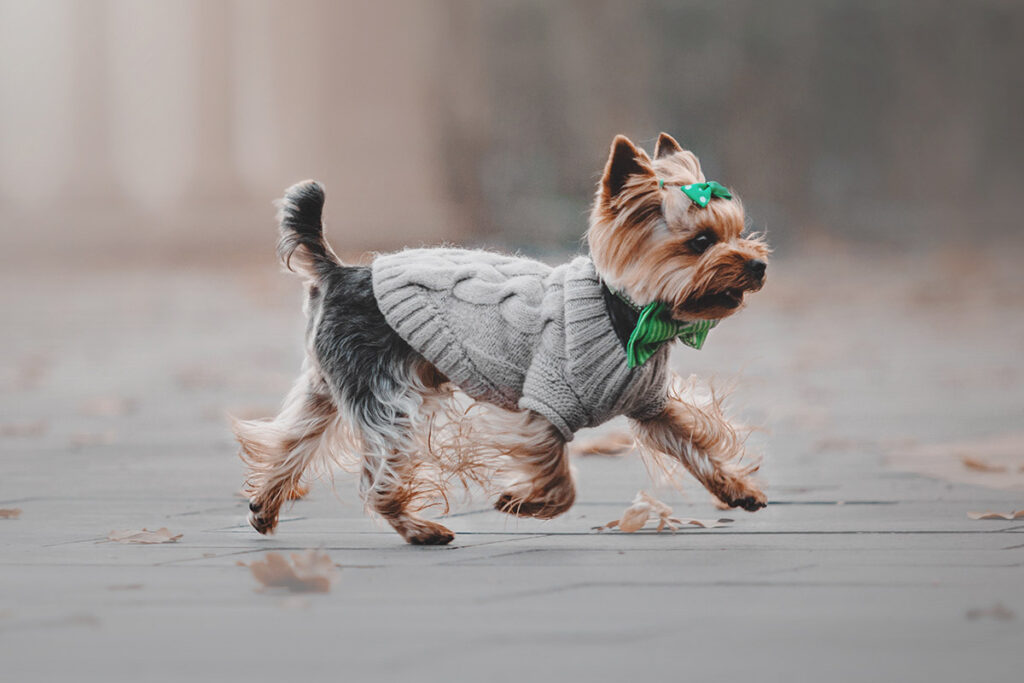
(540, 508)
(752, 502)
(263, 521)
(424, 532)
(511, 504)
(432, 538)
(738, 492)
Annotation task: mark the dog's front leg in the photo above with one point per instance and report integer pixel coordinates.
(709, 447)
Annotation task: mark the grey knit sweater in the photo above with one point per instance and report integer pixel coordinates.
(518, 333)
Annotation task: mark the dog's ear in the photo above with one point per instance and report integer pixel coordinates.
(666, 146)
(624, 162)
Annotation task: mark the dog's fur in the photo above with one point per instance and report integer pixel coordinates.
(366, 396)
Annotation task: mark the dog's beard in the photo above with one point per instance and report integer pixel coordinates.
(715, 292)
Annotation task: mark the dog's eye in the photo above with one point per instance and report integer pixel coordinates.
(702, 242)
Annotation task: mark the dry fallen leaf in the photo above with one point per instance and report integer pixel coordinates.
(1016, 514)
(646, 507)
(636, 515)
(10, 513)
(613, 443)
(706, 523)
(993, 461)
(308, 572)
(980, 465)
(162, 535)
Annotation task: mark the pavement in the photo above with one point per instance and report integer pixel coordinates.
(117, 380)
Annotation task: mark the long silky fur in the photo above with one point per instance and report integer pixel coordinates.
(638, 236)
(461, 445)
(280, 451)
(369, 404)
(694, 433)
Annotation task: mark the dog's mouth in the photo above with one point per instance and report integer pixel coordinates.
(728, 300)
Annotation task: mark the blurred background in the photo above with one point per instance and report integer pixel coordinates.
(166, 128)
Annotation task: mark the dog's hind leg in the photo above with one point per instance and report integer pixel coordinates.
(279, 450)
(389, 481)
(538, 455)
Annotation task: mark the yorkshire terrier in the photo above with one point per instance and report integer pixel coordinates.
(432, 366)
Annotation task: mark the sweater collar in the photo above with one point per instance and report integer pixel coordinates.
(622, 316)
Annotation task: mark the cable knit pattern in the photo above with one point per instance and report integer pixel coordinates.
(518, 333)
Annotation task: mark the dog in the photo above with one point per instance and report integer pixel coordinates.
(439, 366)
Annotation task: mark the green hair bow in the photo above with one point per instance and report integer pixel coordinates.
(701, 193)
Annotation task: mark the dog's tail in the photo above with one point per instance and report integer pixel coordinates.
(301, 246)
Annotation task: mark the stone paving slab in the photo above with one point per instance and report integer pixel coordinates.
(855, 571)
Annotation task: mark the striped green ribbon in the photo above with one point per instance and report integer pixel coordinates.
(655, 327)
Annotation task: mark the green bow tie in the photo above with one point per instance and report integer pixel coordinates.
(655, 327)
(701, 193)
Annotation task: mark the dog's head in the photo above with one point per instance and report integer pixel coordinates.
(658, 233)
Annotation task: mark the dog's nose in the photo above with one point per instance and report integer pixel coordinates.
(756, 267)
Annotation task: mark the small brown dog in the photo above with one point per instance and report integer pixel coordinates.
(440, 366)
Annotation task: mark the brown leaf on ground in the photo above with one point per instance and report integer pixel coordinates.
(28, 428)
(308, 572)
(611, 444)
(162, 535)
(980, 465)
(993, 461)
(10, 513)
(646, 507)
(107, 406)
(998, 611)
(707, 523)
(1016, 514)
